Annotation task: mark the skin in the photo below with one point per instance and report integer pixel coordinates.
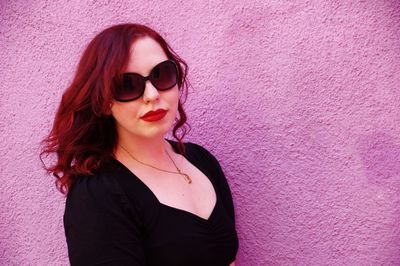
(141, 138)
(145, 140)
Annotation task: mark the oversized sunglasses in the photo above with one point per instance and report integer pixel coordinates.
(163, 76)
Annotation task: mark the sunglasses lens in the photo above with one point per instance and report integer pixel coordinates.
(131, 88)
(164, 75)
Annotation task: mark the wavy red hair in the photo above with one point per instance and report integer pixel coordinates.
(84, 135)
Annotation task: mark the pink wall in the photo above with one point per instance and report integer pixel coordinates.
(299, 100)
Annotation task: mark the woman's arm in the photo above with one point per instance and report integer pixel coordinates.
(232, 264)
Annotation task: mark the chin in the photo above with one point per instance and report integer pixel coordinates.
(157, 130)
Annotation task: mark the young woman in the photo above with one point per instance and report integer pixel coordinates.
(133, 196)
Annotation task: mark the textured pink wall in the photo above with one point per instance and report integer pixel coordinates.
(299, 100)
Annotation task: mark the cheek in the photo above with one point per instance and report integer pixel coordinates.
(174, 105)
(116, 112)
(123, 112)
(175, 98)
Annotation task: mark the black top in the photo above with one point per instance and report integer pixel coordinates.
(113, 218)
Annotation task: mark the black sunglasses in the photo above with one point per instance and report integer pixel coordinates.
(163, 76)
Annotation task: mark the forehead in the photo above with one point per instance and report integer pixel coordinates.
(145, 53)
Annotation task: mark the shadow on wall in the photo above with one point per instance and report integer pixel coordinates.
(380, 155)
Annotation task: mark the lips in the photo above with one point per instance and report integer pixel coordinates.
(154, 115)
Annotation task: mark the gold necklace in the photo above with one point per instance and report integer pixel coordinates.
(186, 176)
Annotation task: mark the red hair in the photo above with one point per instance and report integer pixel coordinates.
(84, 135)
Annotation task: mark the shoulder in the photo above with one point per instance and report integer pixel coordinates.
(201, 158)
(98, 182)
(197, 147)
(203, 154)
(206, 161)
(98, 190)
(200, 152)
(102, 180)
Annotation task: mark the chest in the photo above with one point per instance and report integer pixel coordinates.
(173, 190)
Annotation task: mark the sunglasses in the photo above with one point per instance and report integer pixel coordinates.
(163, 77)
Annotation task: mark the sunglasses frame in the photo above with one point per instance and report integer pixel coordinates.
(145, 79)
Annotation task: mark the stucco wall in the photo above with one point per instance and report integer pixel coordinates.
(299, 100)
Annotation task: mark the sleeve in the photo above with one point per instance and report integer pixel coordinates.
(220, 178)
(100, 227)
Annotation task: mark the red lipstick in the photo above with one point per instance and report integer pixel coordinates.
(156, 115)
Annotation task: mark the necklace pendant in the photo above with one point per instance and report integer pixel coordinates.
(187, 177)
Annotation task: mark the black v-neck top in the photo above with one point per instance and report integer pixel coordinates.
(113, 218)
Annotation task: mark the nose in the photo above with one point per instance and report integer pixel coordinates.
(150, 92)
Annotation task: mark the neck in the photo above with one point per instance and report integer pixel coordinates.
(149, 150)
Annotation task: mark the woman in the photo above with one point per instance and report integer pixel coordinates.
(134, 197)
